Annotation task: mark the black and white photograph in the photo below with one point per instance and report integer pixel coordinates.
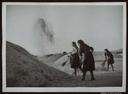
(64, 47)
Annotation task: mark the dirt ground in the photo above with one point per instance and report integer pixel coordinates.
(102, 76)
(26, 70)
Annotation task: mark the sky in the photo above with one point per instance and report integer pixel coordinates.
(99, 26)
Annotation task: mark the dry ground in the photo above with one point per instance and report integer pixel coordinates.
(25, 70)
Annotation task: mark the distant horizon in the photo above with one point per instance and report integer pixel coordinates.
(58, 52)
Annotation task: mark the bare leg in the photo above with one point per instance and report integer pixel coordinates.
(84, 74)
(75, 72)
(112, 67)
(108, 67)
(81, 69)
(92, 75)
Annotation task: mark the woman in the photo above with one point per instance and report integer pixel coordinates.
(74, 58)
(109, 58)
(88, 62)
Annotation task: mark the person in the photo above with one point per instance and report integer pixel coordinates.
(74, 58)
(88, 62)
(109, 58)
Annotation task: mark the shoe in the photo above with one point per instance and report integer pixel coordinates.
(82, 79)
(92, 79)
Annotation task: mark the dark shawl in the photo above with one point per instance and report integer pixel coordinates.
(89, 63)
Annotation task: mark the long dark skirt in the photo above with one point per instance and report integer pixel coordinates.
(110, 61)
(74, 61)
(89, 63)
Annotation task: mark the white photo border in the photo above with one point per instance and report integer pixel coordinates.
(61, 89)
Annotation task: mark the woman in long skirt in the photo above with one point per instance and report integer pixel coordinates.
(88, 62)
(109, 58)
(74, 58)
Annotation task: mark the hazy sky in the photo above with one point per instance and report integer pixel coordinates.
(99, 26)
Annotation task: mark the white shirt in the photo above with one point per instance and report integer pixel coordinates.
(74, 51)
